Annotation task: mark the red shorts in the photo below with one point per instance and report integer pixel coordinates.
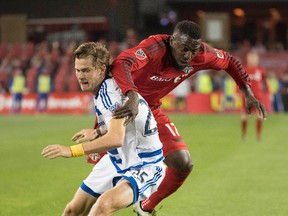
(169, 136)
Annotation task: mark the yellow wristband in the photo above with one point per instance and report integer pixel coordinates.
(77, 150)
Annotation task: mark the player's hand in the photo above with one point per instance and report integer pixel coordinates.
(84, 135)
(250, 102)
(130, 108)
(55, 151)
(87, 135)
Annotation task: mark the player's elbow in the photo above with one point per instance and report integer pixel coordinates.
(117, 143)
(116, 140)
(116, 133)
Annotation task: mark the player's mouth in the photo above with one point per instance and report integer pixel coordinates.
(183, 62)
(84, 84)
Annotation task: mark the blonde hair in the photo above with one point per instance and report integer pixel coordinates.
(97, 51)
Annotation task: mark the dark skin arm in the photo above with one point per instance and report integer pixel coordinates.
(130, 108)
(251, 101)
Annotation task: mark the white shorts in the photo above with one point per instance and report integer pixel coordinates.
(144, 181)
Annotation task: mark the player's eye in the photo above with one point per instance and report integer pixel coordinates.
(194, 52)
(185, 49)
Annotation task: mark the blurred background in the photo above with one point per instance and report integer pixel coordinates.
(37, 39)
(232, 176)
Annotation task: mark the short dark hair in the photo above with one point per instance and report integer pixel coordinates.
(96, 50)
(189, 28)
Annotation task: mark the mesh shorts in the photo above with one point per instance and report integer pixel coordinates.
(144, 181)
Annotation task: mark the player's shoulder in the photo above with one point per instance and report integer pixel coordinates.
(149, 47)
(110, 95)
(155, 42)
(158, 37)
(209, 50)
(208, 53)
(110, 86)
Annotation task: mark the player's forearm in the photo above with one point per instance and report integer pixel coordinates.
(133, 96)
(236, 70)
(102, 144)
(114, 138)
(247, 90)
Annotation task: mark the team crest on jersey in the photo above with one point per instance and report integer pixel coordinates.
(187, 69)
(140, 54)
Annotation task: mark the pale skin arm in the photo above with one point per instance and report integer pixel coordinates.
(251, 101)
(114, 138)
(86, 135)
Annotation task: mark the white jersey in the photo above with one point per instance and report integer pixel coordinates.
(140, 137)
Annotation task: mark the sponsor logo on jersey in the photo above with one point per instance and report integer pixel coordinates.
(160, 79)
(187, 71)
(140, 54)
(114, 107)
(175, 80)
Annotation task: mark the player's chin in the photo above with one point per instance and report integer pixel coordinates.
(182, 66)
(84, 89)
(181, 63)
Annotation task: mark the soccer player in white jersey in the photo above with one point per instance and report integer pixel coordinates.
(133, 167)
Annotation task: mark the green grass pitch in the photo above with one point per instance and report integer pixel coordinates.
(230, 177)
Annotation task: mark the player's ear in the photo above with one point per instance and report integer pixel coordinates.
(103, 68)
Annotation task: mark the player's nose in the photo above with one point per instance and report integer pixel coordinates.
(188, 55)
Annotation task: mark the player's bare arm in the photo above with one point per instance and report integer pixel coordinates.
(114, 138)
(86, 135)
(130, 108)
(251, 101)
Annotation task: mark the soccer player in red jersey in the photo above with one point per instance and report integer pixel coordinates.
(259, 87)
(154, 68)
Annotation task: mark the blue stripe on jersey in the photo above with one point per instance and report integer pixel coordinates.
(113, 151)
(97, 111)
(105, 98)
(115, 160)
(88, 190)
(150, 154)
(135, 167)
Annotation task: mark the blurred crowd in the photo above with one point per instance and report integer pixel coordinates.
(48, 67)
(53, 59)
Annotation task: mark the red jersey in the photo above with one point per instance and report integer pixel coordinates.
(149, 68)
(259, 85)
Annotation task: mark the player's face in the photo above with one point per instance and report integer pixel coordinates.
(89, 76)
(252, 59)
(184, 49)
